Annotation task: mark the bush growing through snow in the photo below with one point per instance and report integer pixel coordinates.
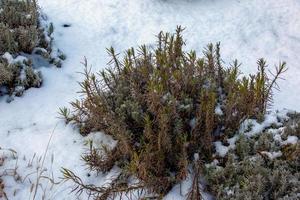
(19, 25)
(268, 168)
(164, 105)
(16, 77)
(259, 179)
(21, 32)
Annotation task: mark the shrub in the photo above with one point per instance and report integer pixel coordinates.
(6, 73)
(19, 25)
(275, 179)
(21, 32)
(164, 105)
(257, 173)
(16, 77)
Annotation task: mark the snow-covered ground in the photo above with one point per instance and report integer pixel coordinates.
(247, 30)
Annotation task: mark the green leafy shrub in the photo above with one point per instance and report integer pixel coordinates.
(17, 77)
(6, 73)
(266, 170)
(21, 32)
(164, 105)
(19, 25)
(16, 13)
(259, 179)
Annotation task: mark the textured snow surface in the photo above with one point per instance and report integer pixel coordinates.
(247, 30)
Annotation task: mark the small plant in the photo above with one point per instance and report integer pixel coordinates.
(61, 55)
(259, 167)
(257, 176)
(50, 29)
(256, 179)
(16, 77)
(163, 106)
(21, 33)
(19, 25)
(243, 147)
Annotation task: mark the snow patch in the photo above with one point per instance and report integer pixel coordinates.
(251, 127)
(11, 60)
(272, 155)
(218, 110)
(290, 140)
(221, 149)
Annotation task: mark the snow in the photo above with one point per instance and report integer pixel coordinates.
(247, 29)
(277, 137)
(11, 60)
(99, 139)
(179, 191)
(221, 149)
(8, 57)
(232, 141)
(272, 155)
(218, 110)
(290, 140)
(251, 127)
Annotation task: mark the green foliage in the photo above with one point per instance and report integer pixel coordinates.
(250, 172)
(50, 29)
(20, 31)
(16, 13)
(33, 78)
(160, 105)
(255, 180)
(293, 125)
(243, 147)
(17, 77)
(61, 55)
(6, 73)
